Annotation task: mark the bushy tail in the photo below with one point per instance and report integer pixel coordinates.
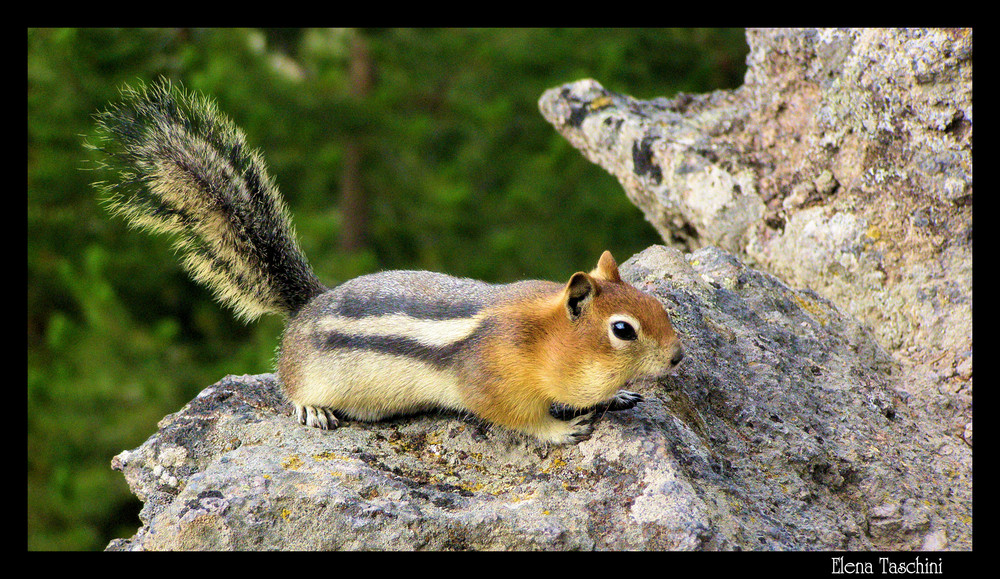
(184, 168)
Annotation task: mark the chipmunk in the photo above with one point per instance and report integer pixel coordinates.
(388, 343)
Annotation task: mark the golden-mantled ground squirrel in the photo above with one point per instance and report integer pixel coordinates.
(388, 343)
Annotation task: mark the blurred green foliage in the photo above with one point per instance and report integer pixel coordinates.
(459, 171)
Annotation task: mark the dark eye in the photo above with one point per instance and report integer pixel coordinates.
(623, 331)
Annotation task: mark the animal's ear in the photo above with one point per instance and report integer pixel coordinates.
(606, 268)
(580, 290)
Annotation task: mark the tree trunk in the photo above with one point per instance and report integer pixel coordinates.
(353, 201)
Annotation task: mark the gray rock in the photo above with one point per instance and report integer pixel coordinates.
(842, 165)
(780, 430)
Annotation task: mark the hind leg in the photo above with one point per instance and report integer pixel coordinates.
(317, 416)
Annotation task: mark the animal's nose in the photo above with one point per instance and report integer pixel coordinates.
(678, 356)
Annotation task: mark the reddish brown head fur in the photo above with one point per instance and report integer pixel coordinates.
(607, 333)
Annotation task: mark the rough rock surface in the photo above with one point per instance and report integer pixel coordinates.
(780, 430)
(843, 165)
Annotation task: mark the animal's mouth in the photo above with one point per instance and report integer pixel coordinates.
(660, 379)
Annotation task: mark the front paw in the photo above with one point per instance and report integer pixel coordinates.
(564, 432)
(580, 429)
(566, 412)
(623, 400)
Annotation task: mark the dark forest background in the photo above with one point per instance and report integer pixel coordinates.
(394, 148)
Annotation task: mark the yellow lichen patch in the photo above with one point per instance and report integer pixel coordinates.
(556, 463)
(600, 103)
(813, 308)
(517, 498)
(285, 513)
(471, 487)
(873, 233)
(330, 456)
(292, 463)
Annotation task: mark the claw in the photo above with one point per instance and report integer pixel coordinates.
(583, 428)
(564, 412)
(624, 400)
(317, 416)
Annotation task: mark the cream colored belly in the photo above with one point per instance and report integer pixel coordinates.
(372, 385)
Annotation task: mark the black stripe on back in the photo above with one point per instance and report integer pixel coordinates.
(351, 306)
(440, 357)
